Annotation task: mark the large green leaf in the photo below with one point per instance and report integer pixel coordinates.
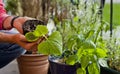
(40, 31)
(53, 45)
(84, 61)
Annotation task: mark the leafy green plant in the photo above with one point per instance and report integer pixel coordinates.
(82, 36)
(83, 48)
(52, 44)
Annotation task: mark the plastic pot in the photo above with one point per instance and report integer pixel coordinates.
(105, 70)
(60, 68)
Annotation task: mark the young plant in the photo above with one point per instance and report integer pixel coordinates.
(83, 48)
(52, 43)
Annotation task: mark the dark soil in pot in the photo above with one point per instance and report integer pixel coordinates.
(114, 64)
(30, 25)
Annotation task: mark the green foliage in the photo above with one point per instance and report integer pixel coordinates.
(82, 36)
(71, 59)
(114, 53)
(94, 68)
(52, 44)
(81, 71)
(101, 53)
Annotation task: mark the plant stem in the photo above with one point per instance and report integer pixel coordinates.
(45, 37)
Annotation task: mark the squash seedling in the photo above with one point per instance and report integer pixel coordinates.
(52, 45)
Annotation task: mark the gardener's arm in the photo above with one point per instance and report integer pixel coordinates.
(16, 38)
(3, 14)
(5, 23)
(17, 23)
(5, 20)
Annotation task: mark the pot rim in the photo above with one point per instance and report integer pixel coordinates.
(34, 55)
(52, 59)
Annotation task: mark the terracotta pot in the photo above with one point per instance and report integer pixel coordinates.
(33, 64)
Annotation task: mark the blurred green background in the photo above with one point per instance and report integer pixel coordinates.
(116, 13)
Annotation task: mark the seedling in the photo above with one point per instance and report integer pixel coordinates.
(52, 44)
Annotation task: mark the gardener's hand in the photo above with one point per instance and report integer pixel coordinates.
(21, 40)
(19, 22)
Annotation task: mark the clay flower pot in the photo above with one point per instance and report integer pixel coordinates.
(33, 64)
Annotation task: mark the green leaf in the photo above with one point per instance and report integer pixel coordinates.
(84, 61)
(90, 34)
(101, 53)
(53, 45)
(31, 37)
(40, 31)
(75, 41)
(93, 58)
(80, 40)
(71, 41)
(88, 44)
(79, 53)
(94, 68)
(81, 71)
(71, 60)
